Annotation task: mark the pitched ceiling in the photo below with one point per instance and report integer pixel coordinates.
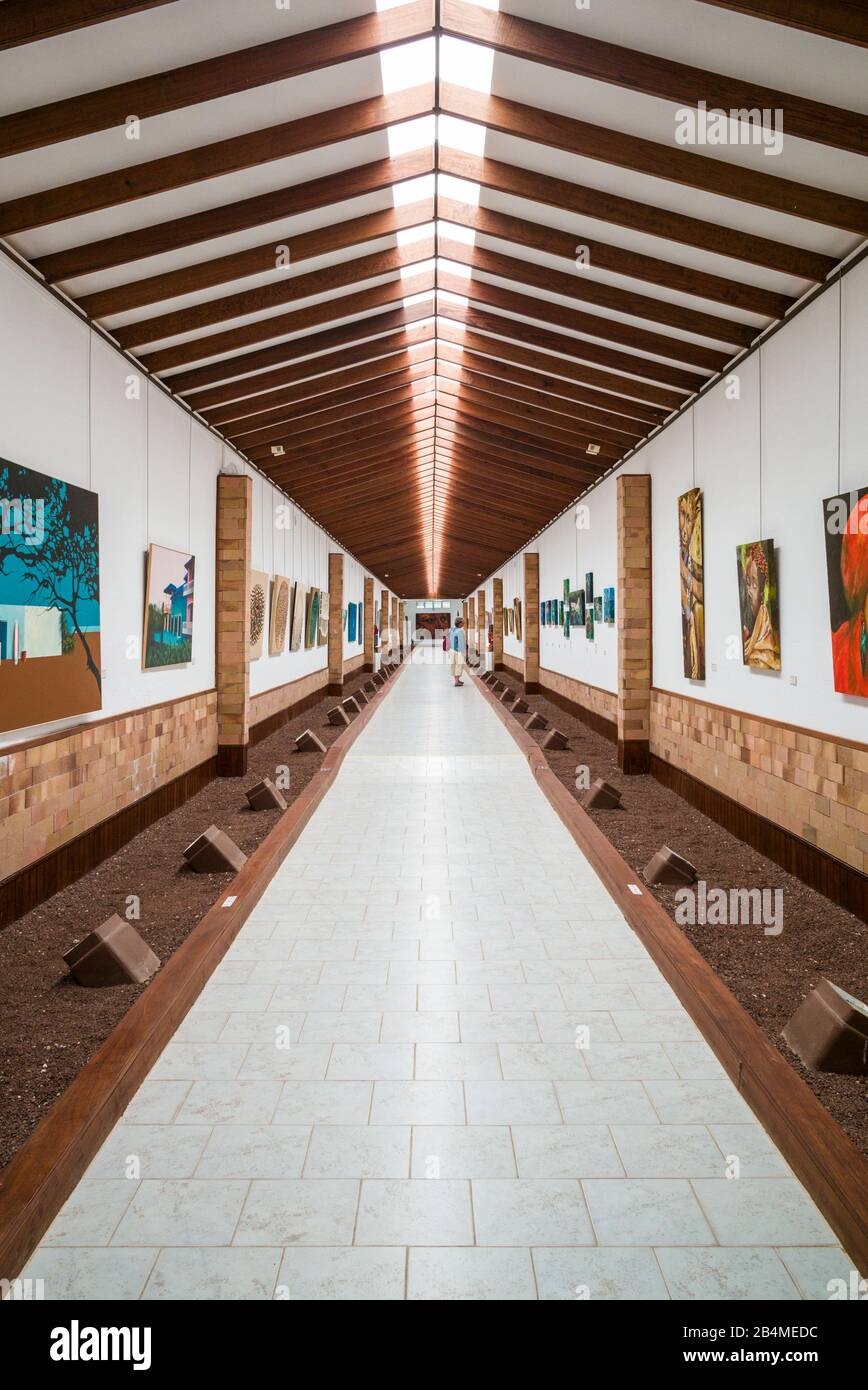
(432, 267)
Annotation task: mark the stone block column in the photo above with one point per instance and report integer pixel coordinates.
(393, 629)
(336, 623)
(369, 624)
(471, 623)
(481, 634)
(234, 539)
(498, 624)
(530, 620)
(633, 600)
(401, 625)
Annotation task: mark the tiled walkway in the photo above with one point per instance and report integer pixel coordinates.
(437, 1063)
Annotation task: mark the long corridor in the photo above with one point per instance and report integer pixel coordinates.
(437, 1064)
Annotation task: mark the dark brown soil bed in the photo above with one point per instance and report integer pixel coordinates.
(51, 1026)
(769, 975)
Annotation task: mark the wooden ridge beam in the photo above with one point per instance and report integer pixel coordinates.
(680, 83)
(213, 78)
(667, 162)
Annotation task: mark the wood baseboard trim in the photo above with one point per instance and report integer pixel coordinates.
(34, 1186)
(840, 882)
(35, 883)
(821, 1155)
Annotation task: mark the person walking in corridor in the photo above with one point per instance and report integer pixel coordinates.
(457, 646)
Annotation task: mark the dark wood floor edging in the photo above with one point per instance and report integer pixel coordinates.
(36, 1183)
(821, 1155)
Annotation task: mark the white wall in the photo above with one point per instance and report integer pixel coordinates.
(65, 411)
(765, 462)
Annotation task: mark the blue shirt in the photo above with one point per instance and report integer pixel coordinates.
(458, 640)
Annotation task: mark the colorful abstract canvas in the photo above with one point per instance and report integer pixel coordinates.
(577, 608)
(692, 584)
(758, 604)
(598, 608)
(168, 630)
(50, 654)
(361, 631)
(297, 619)
(543, 610)
(589, 587)
(279, 616)
(352, 621)
(322, 622)
(608, 605)
(589, 622)
(846, 523)
(257, 614)
(516, 603)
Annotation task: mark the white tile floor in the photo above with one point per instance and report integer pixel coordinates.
(379, 1094)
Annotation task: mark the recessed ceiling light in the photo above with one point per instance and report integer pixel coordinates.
(278, 450)
(593, 448)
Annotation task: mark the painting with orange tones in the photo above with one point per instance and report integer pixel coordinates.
(845, 518)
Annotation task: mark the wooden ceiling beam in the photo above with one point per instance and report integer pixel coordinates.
(484, 374)
(359, 339)
(555, 443)
(301, 405)
(28, 21)
(309, 444)
(540, 405)
(213, 78)
(284, 290)
(573, 350)
(668, 162)
(366, 362)
(352, 413)
(275, 257)
(415, 426)
(845, 20)
(161, 238)
(553, 241)
(599, 61)
(462, 425)
(548, 373)
(576, 285)
(280, 325)
(545, 312)
(672, 227)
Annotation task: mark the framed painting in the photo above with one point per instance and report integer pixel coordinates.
(542, 614)
(758, 605)
(517, 609)
(279, 615)
(589, 621)
(311, 618)
(846, 522)
(299, 610)
(560, 608)
(609, 605)
(352, 619)
(577, 608)
(598, 608)
(169, 592)
(692, 584)
(360, 634)
(50, 652)
(589, 587)
(322, 624)
(257, 611)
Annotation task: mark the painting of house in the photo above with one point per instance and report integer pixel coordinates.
(50, 653)
(169, 601)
